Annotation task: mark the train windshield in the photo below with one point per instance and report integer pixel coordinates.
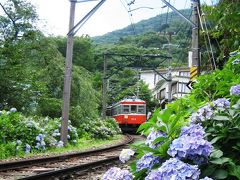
(133, 109)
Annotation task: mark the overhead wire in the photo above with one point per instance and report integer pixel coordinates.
(205, 29)
(129, 15)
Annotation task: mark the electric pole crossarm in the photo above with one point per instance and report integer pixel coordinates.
(74, 30)
(160, 75)
(179, 13)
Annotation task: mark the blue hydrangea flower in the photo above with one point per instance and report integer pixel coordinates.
(37, 145)
(27, 148)
(19, 142)
(40, 137)
(206, 178)
(203, 114)
(174, 169)
(68, 136)
(125, 155)
(234, 53)
(152, 136)
(194, 148)
(236, 61)
(147, 162)
(193, 130)
(221, 103)
(116, 173)
(13, 110)
(60, 144)
(235, 90)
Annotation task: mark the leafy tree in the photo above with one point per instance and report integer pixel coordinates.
(82, 51)
(223, 19)
(18, 20)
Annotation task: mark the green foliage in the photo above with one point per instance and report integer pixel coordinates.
(218, 83)
(224, 27)
(99, 129)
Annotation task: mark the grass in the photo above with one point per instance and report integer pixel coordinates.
(83, 144)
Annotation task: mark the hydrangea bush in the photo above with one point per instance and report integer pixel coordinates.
(195, 137)
(22, 135)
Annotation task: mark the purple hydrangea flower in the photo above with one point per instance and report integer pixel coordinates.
(194, 148)
(193, 130)
(116, 173)
(152, 136)
(221, 103)
(203, 114)
(147, 161)
(174, 169)
(235, 90)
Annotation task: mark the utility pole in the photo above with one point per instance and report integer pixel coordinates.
(195, 67)
(68, 62)
(68, 76)
(104, 98)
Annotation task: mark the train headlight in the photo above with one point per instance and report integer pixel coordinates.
(125, 116)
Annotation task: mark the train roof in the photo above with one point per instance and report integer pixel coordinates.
(130, 100)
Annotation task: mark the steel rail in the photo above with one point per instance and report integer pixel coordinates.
(65, 171)
(29, 162)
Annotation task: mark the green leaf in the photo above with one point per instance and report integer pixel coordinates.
(214, 140)
(220, 174)
(235, 170)
(166, 115)
(159, 139)
(220, 161)
(216, 154)
(221, 118)
(143, 126)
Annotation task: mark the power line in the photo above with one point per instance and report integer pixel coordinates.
(130, 16)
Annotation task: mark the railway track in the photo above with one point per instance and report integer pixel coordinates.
(67, 166)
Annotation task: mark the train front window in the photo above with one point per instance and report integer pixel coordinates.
(133, 109)
(126, 109)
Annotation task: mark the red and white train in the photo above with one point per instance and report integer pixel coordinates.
(129, 113)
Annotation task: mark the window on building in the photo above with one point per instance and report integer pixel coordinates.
(182, 88)
(184, 73)
(174, 88)
(162, 93)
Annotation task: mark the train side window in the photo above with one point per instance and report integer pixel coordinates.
(133, 109)
(119, 109)
(114, 111)
(126, 109)
(141, 110)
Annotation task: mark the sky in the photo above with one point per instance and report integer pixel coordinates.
(112, 15)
